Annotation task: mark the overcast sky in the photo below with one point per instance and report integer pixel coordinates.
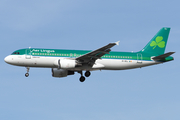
(150, 93)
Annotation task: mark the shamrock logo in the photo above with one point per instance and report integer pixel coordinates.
(158, 42)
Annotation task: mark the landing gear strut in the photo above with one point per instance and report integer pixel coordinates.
(27, 74)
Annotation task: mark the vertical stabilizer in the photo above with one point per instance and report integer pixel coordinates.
(158, 43)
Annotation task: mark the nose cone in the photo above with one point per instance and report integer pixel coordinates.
(7, 59)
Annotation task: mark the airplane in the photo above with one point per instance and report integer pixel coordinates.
(67, 62)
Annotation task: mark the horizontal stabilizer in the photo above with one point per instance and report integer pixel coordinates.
(160, 57)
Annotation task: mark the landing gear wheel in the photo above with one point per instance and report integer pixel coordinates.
(87, 73)
(27, 74)
(82, 79)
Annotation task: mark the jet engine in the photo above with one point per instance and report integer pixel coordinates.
(61, 72)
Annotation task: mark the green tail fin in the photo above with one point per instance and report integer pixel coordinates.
(158, 43)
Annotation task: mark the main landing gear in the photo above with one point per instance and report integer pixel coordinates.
(82, 78)
(27, 74)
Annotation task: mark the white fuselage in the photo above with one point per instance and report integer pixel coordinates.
(103, 64)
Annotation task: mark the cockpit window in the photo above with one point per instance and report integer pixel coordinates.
(14, 53)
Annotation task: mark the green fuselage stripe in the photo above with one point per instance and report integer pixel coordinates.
(77, 53)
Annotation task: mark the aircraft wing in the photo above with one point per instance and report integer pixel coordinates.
(92, 56)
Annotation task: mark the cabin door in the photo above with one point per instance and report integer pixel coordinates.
(28, 53)
(139, 58)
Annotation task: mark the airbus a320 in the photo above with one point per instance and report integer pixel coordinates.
(67, 62)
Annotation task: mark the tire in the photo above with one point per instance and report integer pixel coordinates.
(87, 73)
(82, 79)
(27, 74)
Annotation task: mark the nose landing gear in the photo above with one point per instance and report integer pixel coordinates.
(27, 74)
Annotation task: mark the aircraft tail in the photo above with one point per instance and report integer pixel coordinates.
(158, 43)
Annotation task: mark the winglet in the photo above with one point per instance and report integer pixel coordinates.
(117, 43)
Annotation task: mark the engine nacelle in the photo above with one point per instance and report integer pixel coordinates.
(61, 72)
(65, 63)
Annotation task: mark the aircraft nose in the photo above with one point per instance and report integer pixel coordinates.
(7, 59)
